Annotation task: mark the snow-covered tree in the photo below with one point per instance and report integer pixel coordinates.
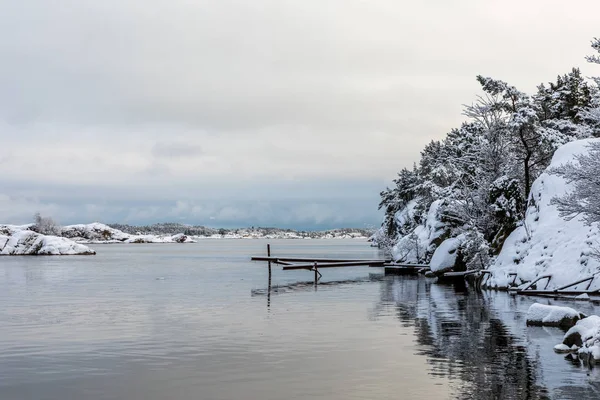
(395, 199)
(45, 225)
(584, 174)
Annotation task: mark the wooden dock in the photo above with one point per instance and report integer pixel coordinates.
(316, 263)
(312, 259)
(310, 266)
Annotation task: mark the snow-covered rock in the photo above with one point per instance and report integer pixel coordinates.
(584, 338)
(583, 330)
(544, 315)
(94, 233)
(100, 233)
(18, 240)
(444, 257)
(547, 243)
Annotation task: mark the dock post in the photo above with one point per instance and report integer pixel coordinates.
(269, 287)
(316, 273)
(269, 255)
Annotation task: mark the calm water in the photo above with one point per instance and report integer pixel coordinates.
(197, 322)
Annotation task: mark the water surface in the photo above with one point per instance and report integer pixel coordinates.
(197, 321)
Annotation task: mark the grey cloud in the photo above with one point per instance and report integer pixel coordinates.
(305, 204)
(146, 104)
(175, 150)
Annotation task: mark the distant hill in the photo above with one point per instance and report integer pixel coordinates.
(170, 228)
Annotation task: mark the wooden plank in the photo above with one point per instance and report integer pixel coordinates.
(319, 260)
(333, 265)
(557, 293)
(548, 278)
(282, 262)
(410, 265)
(458, 274)
(415, 266)
(454, 277)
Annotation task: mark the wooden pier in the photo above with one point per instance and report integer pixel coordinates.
(316, 263)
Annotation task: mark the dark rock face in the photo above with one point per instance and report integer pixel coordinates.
(573, 338)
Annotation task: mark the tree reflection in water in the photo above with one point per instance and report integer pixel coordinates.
(470, 337)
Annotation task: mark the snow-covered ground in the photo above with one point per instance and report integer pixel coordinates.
(19, 240)
(547, 243)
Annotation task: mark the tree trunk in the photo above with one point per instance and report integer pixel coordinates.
(527, 175)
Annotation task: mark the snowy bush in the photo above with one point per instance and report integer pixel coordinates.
(45, 225)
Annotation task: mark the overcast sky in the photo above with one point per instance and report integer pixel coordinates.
(237, 112)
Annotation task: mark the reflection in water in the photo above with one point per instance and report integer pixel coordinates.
(310, 286)
(466, 336)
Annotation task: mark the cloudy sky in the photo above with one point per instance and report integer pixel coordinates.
(236, 112)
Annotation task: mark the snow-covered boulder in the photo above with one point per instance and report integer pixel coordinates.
(445, 256)
(544, 315)
(583, 330)
(15, 240)
(584, 338)
(545, 243)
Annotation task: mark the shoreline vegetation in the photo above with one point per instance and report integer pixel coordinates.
(513, 194)
(513, 190)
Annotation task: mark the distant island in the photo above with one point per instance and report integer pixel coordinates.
(46, 237)
(171, 228)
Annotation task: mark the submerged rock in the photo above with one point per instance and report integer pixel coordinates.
(544, 315)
